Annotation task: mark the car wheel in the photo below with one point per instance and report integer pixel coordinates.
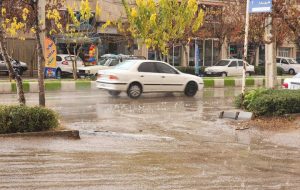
(114, 93)
(291, 71)
(134, 91)
(191, 89)
(58, 74)
(224, 74)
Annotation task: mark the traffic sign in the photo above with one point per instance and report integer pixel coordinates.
(260, 6)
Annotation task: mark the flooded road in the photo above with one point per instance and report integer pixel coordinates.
(160, 141)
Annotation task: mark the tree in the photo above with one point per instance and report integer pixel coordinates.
(77, 29)
(11, 25)
(160, 25)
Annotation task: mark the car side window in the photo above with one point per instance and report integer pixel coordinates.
(241, 63)
(58, 58)
(114, 62)
(284, 61)
(233, 64)
(277, 60)
(147, 67)
(164, 68)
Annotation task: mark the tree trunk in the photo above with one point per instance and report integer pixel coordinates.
(12, 73)
(74, 64)
(41, 59)
(185, 58)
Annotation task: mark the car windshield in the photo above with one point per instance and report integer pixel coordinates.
(125, 65)
(102, 61)
(222, 63)
(297, 75)
(292, 61)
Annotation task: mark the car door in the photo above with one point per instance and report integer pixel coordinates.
(240, 68)
(285, 65)
(232, 69)
(149, 77)
(171, 80)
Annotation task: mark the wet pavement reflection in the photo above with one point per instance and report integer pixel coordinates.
(160, 141)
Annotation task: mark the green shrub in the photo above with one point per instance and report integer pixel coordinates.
(276, 102)
(280, 71)
(270, 102)
(260, 70)
(18, 119)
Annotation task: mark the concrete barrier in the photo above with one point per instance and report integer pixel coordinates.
(71, 134)
(67, 85)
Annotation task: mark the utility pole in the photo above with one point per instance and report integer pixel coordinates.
(270, 53)
(245, 49)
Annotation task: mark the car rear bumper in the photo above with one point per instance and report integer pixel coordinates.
(111, 86)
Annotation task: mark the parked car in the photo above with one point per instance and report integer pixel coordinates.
(292, 83)
(18, 66)
(106, 61)
(289, 65)
(229, 67)
(64, 64)
(142, 76)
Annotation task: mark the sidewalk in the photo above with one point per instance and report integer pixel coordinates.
(69, 85)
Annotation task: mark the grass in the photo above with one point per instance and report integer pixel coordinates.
(26, 87)
(249, 82)
(209, 83)
(52, 86)
(229, 82)
(82, 85)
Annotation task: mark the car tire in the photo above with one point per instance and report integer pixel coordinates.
(292, 72)
(224, 74)
(248, 74)
(114, 93)
(191, 89)
(58, 74)
(134, 90)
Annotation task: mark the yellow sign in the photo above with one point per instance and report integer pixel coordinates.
(50, 53)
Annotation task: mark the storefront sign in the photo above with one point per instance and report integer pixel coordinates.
(260, 6)
(50, 59)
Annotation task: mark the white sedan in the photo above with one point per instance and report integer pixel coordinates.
(292, 83)
(229, 67)
(142, 76)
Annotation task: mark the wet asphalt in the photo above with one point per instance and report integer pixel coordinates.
(160, 141)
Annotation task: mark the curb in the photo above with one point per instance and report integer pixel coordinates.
(71, 86)
(73, 134)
